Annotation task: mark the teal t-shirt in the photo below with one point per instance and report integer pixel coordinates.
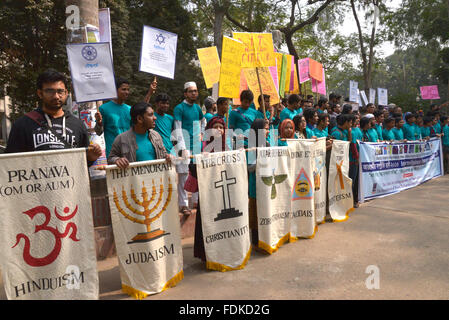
(242, 119)
(446, 135)
(286, 113)
(320, 133)
(379, 131)
(425, 132)
(116, 120)
(208, 116)
(437, 127)
(164, 126)
(190, 117)
(356, 134)
(398, 133)
(310, 133)
(339, 134)
(145, 149)
(388, 135)
(372, 135)
(411, 132)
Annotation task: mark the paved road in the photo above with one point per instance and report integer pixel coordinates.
(405, 236)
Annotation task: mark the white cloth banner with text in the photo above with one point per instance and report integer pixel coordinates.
(223, 196)
(273, 197)
(47, 248)
(144, 210)
(339, 184)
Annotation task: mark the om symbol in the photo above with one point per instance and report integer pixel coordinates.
(53, 255)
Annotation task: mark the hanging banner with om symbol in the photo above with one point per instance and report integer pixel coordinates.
(144, 210)
(47, 248)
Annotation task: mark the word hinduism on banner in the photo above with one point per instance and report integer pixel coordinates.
(223, 176)
(47, 248)
(210, 65)
(146, 230)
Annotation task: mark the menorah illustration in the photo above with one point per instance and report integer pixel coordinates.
(147, 211)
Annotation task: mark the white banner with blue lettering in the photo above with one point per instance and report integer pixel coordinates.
(387, 168)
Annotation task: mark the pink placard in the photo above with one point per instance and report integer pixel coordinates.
(292, 75)
(274, 75)
(304, 70)
(429, 93)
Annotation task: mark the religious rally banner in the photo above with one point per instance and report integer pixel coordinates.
(319, 86)
(429, 93)
(320, 179)
(92, 71)
(47, 248)
(266, 82)
(258, 49)
(273, 197)
(223, 196)
(289, 70)
(303, 223)
(382, 96)
(104, 21)
(315, 70)
(372, 95)
(210, 65)
(386, 169)
(158, 53)
(230, 70)
(145, 221)
(365, 99)
(340, 185)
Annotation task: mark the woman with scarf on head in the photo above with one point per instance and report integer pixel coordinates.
(257, 138)
(286, 131)
(215, 141)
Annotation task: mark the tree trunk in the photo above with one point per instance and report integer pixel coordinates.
(220, 13)
(88, 10)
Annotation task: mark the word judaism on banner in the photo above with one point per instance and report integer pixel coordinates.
(258, 50)
(145, 203)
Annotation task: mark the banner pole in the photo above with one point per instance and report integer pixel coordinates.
(261, 93)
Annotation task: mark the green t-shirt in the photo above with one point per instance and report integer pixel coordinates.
(446, 135)
(379, 131)
(339, 134)
(116, 120)
(242, 119)
(208, 116)
(320, 133)
(372, 135)
(145, 149)
(286, 113)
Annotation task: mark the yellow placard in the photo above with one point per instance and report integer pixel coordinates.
(278, 56)
(259, 49)
(210, 65)
(266, 81)
(296, 83)
(231, 59)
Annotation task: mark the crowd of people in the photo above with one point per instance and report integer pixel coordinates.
(146, 131)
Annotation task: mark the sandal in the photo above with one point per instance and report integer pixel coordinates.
(185, 211)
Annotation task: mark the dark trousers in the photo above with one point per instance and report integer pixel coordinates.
(354, 175)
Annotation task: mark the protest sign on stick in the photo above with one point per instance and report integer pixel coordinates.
(210, 65)
(230, 70)
(92, 71)
(429, 93)
(158, 54)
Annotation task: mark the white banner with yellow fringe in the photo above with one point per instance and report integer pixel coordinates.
(223, 196)
(339, 184)
(303, 224)
(47, 247)
(145, 220)
(320, 179)
(273, 197)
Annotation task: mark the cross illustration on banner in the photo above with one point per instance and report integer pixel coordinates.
(224, 184)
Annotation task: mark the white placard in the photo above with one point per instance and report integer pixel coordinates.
(92, 71)
(158, 54)
(365, 99)
(353, 91)
(372, 95)
(104, 19)
(382, 98)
